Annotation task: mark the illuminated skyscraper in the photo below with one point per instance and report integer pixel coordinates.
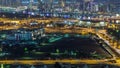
(51, 3)
(40, 4)
(5, 2)
(10, 3)
(30, 4)
(87, 5)
(115, 6)
(61, 3)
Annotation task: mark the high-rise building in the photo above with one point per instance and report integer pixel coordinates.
(93, 6)
(40, 4)
(61, 3)
(87, 5)
(10, 3)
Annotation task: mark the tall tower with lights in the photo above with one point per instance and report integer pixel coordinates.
(10, 3)
(5, 2)
(40, 4)
(61, 3)
(30, 4)
(51, 3)
(87, 4)
(1, 2)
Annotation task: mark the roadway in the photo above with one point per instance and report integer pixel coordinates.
(39, 20)
(86, 30)
(35, 62)
(63, 30)
(72, 30)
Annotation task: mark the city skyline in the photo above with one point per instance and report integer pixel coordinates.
(59, 33)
